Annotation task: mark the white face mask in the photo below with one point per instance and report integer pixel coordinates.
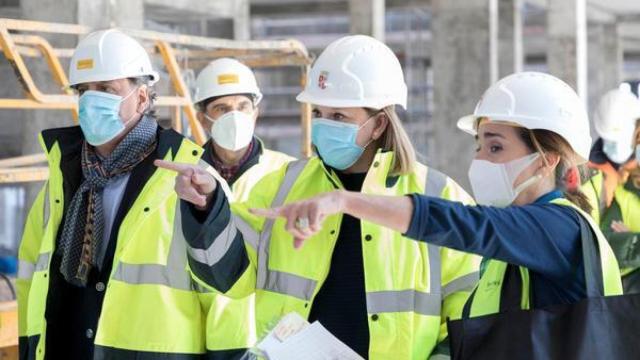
(492, 183)
(233, 130)
(618, 151)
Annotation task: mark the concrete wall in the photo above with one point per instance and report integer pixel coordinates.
(462, 63)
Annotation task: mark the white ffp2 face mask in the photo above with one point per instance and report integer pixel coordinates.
(233, 130)
(492, 183)
(618, 151)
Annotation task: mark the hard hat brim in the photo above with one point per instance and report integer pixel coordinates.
(103, 77)
(198, 98)
(305, 97)
(468, 124)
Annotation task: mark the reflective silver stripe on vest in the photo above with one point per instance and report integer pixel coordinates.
(439, 357)
(435, 183)
(218, 248)
(250, 236)
(224, 185)
(45, 206)
(603, 196)
(266, 279)
(403, 301)
(201, 289)
(435, 279)
(300, 287)
(26, 268)
(173, 274)
(154, 274)
(290, 284)
(463, 283)
(412, 300)
(434, 186)
(43, 261)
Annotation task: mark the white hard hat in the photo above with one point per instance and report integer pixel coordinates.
(109, 55)
(356, 71)
(616, 115)
(535, 101)
(223, 77)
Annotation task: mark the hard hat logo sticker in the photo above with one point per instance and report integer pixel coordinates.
(85, 64)
(322, 80)
(228, 79)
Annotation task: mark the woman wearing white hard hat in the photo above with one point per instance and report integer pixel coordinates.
(613, 186)
(531, 130)
(102, 272)
(382, 295)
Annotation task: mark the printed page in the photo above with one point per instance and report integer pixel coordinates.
(312, 343)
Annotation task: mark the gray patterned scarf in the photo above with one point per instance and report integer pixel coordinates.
(82, 234)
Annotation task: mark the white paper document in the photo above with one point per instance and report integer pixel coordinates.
(294, 339)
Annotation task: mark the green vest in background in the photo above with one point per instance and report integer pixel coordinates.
(593, 188)
(626, 245)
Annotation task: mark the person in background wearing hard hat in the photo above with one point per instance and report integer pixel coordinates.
(625, 214)
(382, 295)
(614, 121)
(102, 271)
(227, 98)
(531, 130)
(613, 187)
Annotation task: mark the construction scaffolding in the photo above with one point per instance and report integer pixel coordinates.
(20, 39)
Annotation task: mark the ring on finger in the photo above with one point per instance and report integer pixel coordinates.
(302, 223)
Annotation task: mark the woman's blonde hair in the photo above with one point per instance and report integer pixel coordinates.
(395, 139)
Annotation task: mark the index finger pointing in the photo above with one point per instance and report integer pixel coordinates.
(174, 166)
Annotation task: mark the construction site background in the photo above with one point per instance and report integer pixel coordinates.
(451, 50)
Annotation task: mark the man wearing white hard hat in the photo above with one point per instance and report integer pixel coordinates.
(227, 98)
(382, 295)
(102, 262)
(613, 186)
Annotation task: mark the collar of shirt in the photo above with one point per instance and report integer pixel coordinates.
(227, 172)
(548, 197)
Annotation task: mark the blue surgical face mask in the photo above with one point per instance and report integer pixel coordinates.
(638, 153)
(99, 114)
(336, 142)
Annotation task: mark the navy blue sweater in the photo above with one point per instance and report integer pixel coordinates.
(543, 237)
(341, 305)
